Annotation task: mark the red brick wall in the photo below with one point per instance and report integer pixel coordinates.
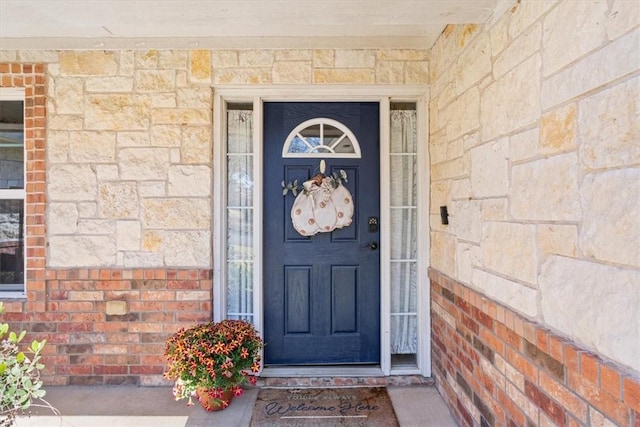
(496, 368)
(31, 77)
(87, 346)
(67, 307)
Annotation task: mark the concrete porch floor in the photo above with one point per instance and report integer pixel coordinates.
(128, 406)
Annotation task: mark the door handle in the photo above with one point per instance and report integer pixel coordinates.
(373, 246)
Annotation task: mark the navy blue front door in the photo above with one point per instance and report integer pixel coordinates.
(321, 293)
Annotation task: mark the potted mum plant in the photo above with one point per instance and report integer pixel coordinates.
(212, 360)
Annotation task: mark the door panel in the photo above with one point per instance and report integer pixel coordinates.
(321, 292)
(344, 293)
(298, 299)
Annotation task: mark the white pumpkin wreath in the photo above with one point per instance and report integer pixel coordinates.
(323, 205)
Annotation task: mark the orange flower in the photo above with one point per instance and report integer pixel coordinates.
(214, 356)
(228, 364)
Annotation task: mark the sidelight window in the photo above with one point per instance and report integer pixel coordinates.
(404, 221)
(240, 212)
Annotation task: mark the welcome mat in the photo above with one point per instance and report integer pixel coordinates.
(302, 407)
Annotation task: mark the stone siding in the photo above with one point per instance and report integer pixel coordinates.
(130, 182)
(129, 142)
(534, 143)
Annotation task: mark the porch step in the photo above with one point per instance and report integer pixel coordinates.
(336, 376)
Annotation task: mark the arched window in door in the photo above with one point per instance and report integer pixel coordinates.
(321, 137)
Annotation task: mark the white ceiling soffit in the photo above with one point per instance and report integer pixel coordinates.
(78, 24)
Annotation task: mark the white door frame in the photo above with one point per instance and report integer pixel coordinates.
(384, 94)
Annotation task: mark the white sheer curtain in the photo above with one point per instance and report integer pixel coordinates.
(240, 186)
(403, 230)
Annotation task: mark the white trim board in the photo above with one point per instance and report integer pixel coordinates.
(384, 94)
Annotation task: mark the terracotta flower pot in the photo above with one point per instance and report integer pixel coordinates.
(210, 402)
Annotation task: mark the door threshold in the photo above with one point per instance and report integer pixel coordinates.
(321, 371)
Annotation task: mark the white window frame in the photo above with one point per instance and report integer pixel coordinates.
(384, 95)
(17, 94)
(322, 154)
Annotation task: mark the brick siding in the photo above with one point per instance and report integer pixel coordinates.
(496, 368)
(85, 345)
(31, 77)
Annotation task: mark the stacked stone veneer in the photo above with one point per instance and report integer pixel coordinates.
(534, 148)
(119, 237)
